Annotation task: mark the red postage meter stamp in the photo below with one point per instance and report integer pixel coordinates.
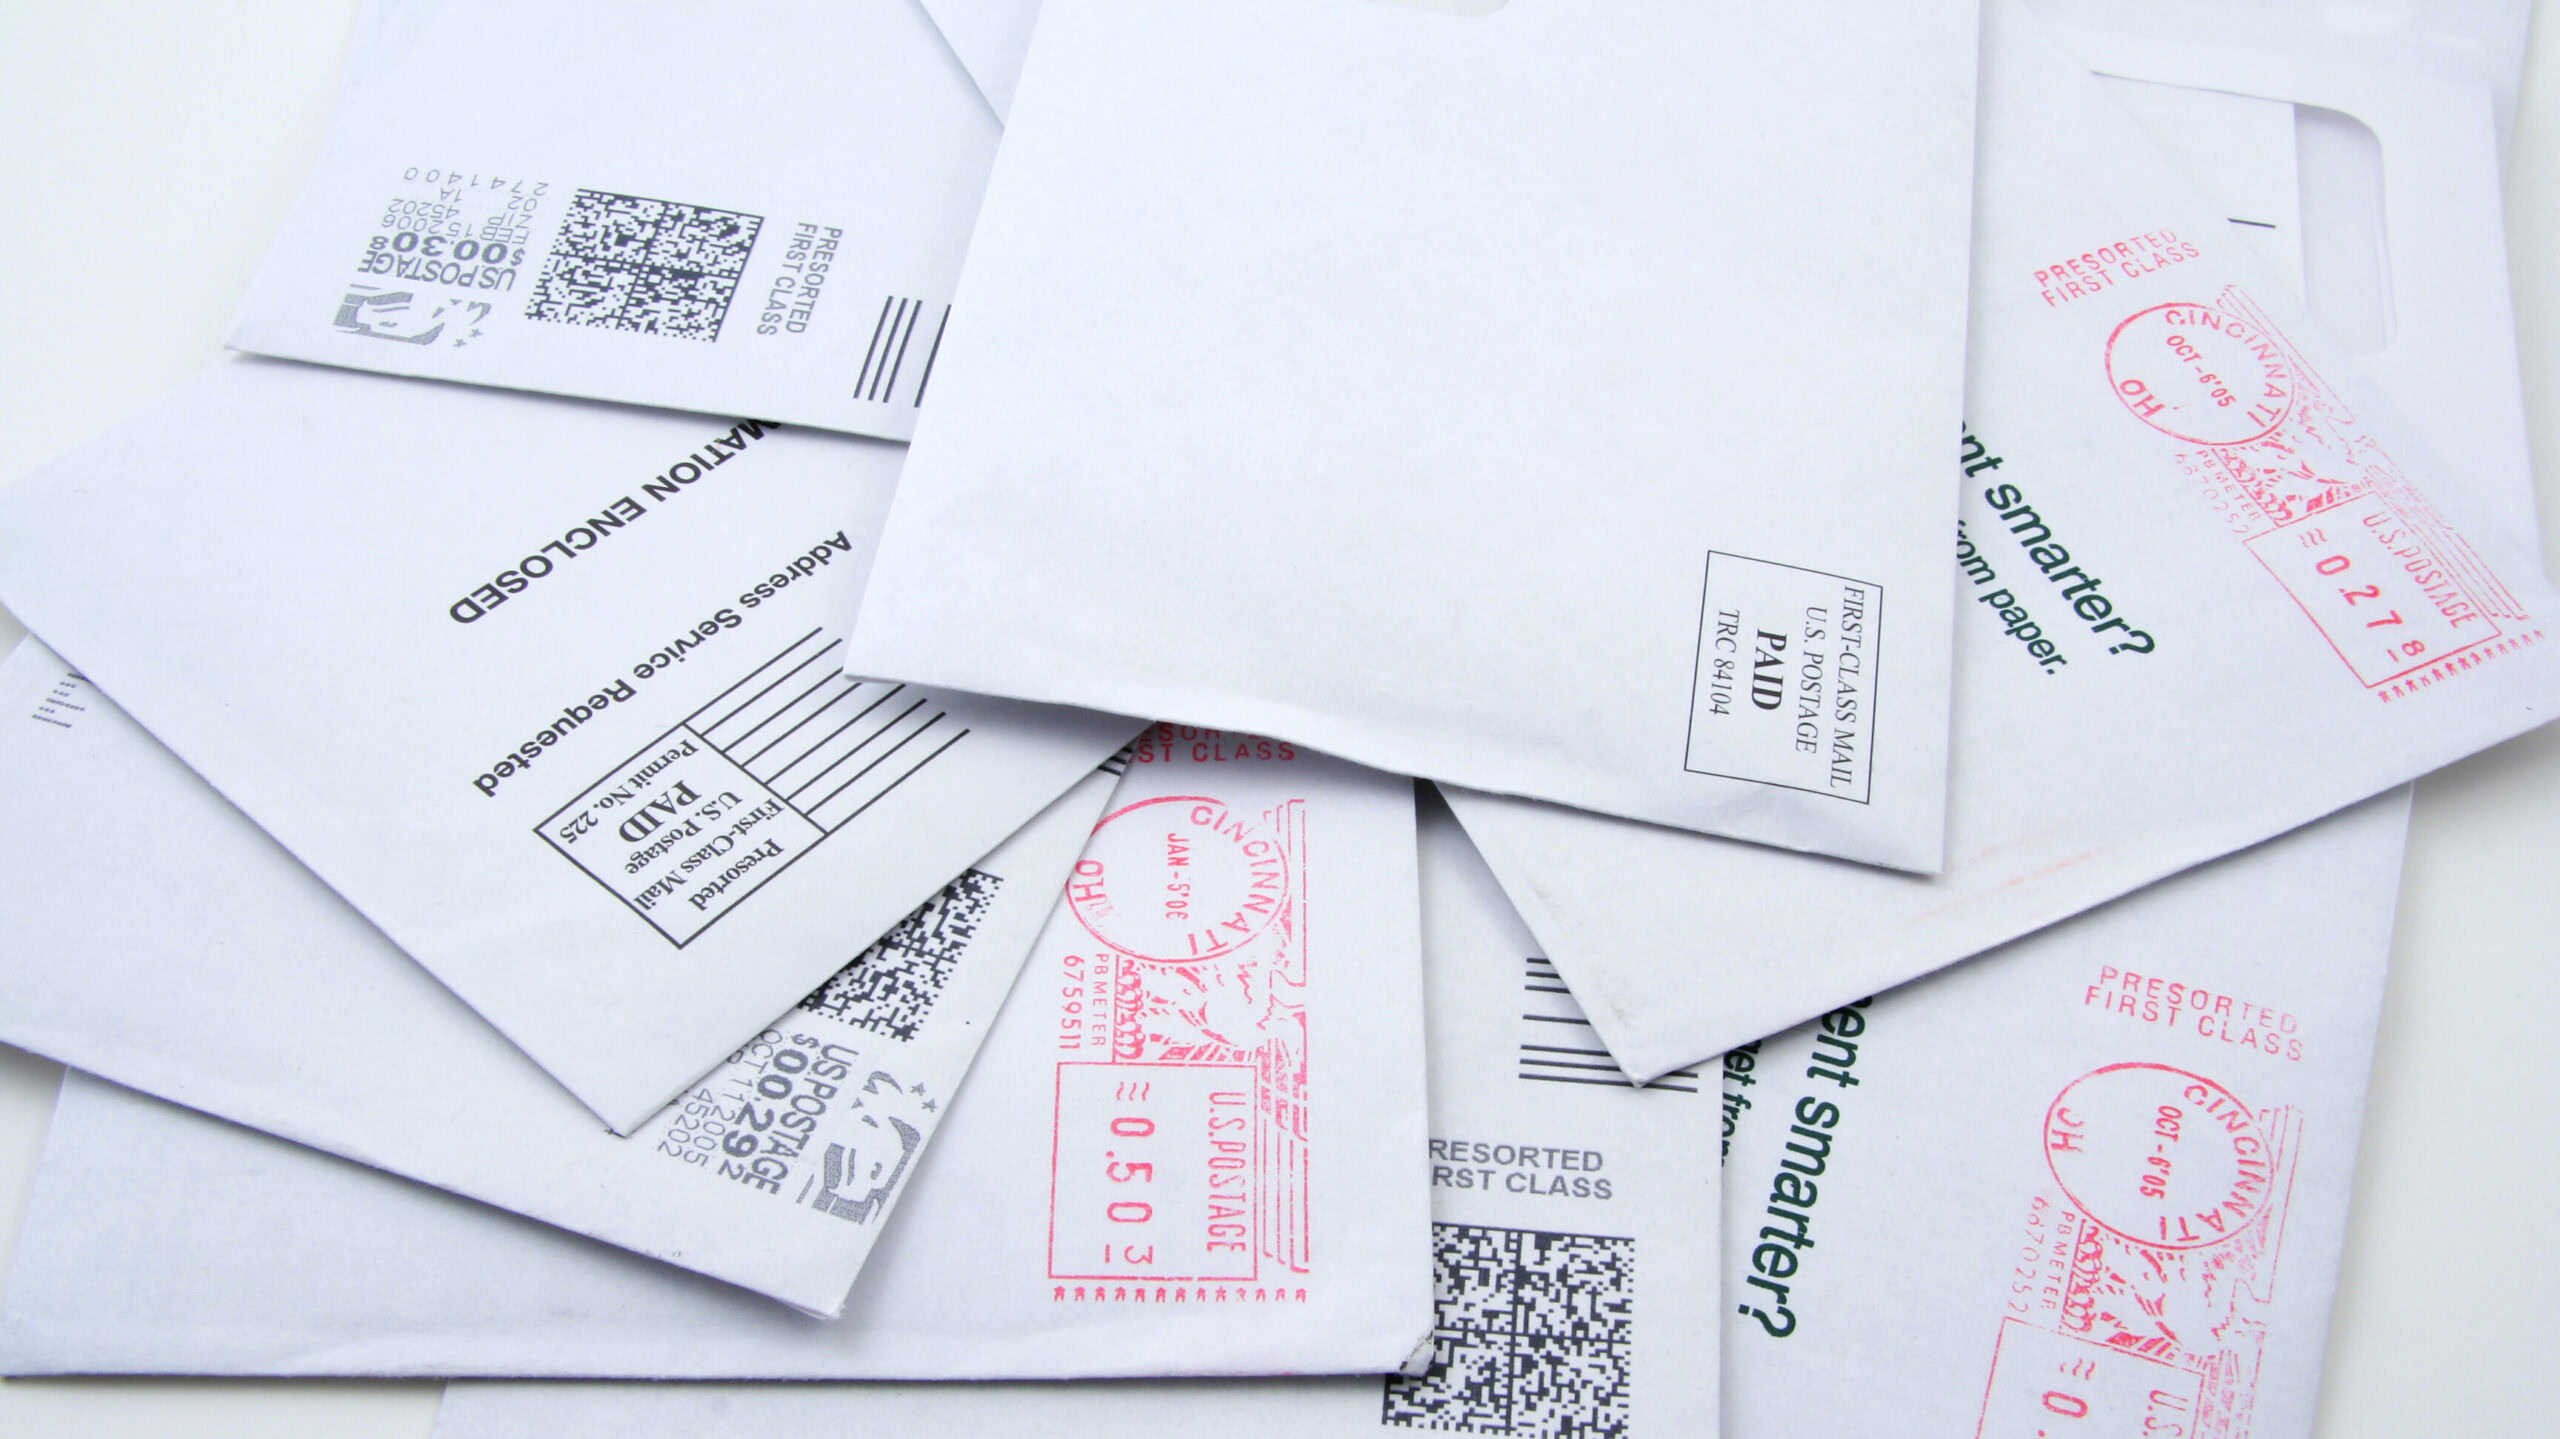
(2405, 601)
(1179, 1167)
(2138, 1293)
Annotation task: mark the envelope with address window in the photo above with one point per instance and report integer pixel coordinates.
(1439, 435)
(2147, 1235)
(775, 233)
(2213, 588)
(547, 689)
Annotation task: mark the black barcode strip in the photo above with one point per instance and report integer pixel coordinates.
(1568, 1064)
(812, 782)
(852, 688)
(911, 773)
(885, 756)
(880, 376)
(1590, 1056)
(893, 336)
(829, 737)
(889, 388)
(787, 706)
(901, 320)
(751, 674)
(879, 327)
(777, 683)
(1620, 1083)
(926, 377)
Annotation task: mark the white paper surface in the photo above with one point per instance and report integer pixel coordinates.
(2101, 1176)
(549, 690)
(201, 963)
(2265, 698)
(2241, 152)
(739, 209)
(1559, 1314)
(2260, 973)
(1569, 330)
(284, 1261)
(1575, 1247)
(990, 37)
(2464, 42)
(2449, 357)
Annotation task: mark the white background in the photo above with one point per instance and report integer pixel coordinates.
(148, 151)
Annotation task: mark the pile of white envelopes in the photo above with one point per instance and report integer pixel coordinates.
(777, 737)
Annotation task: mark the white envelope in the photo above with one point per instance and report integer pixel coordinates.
(547, 689)
(2259, 974)
(2466, 42)
(204, 965)
(1449, 432)
(2415, 254)
(990, 37)
(1276, 1088)
(1575, 1250)
(1559, 1313)
(2245, 692)
(739, 209)
(2101, 1176)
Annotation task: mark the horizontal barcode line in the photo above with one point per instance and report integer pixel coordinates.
(805, 720)
(926, 378)
(750, 676)
(786, 708)
(778, 682)
(830, 736)
(884, 756)
(1611, 1083)
(862, 382)
(910, 774)
(890, 388)
(857, 749)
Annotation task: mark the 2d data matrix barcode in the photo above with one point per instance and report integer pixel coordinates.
(1534, 1335)
(889, 988)
(648, 267)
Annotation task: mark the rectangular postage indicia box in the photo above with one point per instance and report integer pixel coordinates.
(1785, 692)
(590, 656)
(704, 815)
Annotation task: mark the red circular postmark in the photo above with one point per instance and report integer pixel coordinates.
(2200, 374)
(1178, 879)
(2157, 1155)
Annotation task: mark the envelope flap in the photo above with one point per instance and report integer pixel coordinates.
(1390, 380)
